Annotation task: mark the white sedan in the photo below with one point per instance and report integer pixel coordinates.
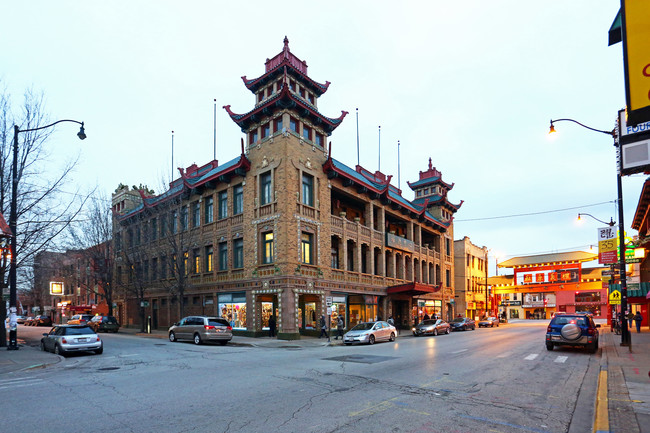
(369, 332)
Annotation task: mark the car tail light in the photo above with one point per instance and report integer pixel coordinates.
(64, 341)
(208, 327)
(98, 338)
(230, 328)
(590, 331)
(549, 329)
(572, 321)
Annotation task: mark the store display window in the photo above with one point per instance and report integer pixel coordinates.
(232, 307)
(363, 308)
(267, 311)
(338, 309)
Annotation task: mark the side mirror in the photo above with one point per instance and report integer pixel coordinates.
(45, 335)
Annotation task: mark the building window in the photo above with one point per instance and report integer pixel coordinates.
(277, 124)
(335, 258)
(186, 259)
(320, 140)
(265, 188)
(184, 218)
(267, 248)
(163, 226)
(118, 241)
(311, 98)
(306, 132)
(293, 124)
(292, 85)
(196, 214)
(308, 189)
(238, 199)
(208, 258)
(138, 237)
(448, 277)
(145, 274)
(448, 246)
(307, 252)
(223, 204)
(196, 259)
(266, 130)
(252, 137)
(209, 210)
(223, 256)
(154, 269)
(153, 227)
(163, 267)
(238, 253)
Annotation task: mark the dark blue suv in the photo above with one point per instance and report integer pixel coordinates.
(572, 329)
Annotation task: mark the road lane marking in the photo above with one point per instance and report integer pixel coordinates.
(531, 357)
(460, 351)
(561, 359)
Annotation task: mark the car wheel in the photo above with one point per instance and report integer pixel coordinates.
(371, 339)
(43, 347)
(58, 350)
(223, 342)
(593, 347)
(100, 350)
(197, 339)
(392, 336)
(549, 346)
(172, 337)
(435, 332)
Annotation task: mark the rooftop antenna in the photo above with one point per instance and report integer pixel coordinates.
(358, 163)
(399, 182)
(379, 152)
(215, 130)
(172, 178)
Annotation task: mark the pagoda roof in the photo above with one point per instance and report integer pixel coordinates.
(285, 99)
(439, 200)
(285, 63)
(380, 186)
(429, 177)
(547, 259)
(192, 179)
(640, 221)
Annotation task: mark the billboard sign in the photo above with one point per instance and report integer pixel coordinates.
(56, 288)
(552, 274)
(606, 245)
(636, 59)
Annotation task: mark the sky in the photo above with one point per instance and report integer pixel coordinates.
(470, 84)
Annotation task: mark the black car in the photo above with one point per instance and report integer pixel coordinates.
(104, 323)
(42, 321)
(462, 324)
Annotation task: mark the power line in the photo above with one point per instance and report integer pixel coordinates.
(535, 213)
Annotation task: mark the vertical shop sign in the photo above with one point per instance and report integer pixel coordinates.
(606, 245)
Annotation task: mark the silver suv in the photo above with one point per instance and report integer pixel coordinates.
(201, 329)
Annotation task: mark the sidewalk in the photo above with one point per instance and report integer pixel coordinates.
(628, 381)
(25, 358)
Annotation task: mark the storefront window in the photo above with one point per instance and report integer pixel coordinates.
(588, 297)
(267, 311)
(338, 309)
(310, 315)
(362, 309)
(232, 307)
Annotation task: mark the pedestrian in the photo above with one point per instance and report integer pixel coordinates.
(630, 317)
(391, 322)
(339, 328)
(426, 317)
(272, 326)
(638, 318)
(323, 327)
(435, 316)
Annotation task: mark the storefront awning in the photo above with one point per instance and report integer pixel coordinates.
(413, 289)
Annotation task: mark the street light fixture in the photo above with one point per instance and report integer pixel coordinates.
(13, 217)
(626, 338)
(611, 222)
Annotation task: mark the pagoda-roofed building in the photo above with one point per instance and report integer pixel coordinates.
(285, 229)
(543, 284)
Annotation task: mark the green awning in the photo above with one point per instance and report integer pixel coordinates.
(616, 30)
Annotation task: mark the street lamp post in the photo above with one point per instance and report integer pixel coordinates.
(13, 217)
(626, 338)
(611, 222)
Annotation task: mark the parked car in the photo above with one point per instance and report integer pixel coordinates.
(42, 321)
(64, 339)
(20, 319)
(573, 330)
(462, 324)
(369, 332)
(104, 323)
(80, 319)
(489, 321)
(29, 321)
(201, 329)
(431, 327)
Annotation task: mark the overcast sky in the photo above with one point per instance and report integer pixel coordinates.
(471, 84)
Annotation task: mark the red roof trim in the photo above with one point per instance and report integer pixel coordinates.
(413, 289)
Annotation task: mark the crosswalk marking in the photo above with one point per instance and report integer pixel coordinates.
(19, 383)
(561, 359)
(531, 357)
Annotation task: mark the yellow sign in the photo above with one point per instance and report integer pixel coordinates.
(615, 298)
(56, 288)
(636, 49)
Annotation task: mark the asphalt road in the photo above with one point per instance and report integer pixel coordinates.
(488, 380)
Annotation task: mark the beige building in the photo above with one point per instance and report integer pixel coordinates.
(470, 278)
(285, 229)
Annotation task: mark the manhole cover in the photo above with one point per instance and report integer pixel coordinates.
(362, 359)
(160, 344)
(108, 368)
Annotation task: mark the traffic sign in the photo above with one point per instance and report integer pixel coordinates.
(615, 297)
(328, 301)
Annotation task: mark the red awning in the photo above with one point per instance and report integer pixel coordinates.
(413, 289)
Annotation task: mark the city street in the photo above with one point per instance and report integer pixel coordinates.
(488, 380)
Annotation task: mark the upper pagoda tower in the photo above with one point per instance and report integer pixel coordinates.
(431, 192)
(286, 101)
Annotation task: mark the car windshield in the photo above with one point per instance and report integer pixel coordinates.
(79, 331)
(458, 320)
(363, 327)
(492, 318)
(428, 322)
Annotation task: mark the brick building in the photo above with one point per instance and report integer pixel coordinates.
(284, 229)
(470, 279)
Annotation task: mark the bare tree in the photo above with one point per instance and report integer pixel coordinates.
(92, 236)
(44, 209)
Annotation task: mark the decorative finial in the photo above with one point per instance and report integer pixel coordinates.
(430, 163)
(286, 43)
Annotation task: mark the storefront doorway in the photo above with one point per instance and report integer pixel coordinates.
(307, 312)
